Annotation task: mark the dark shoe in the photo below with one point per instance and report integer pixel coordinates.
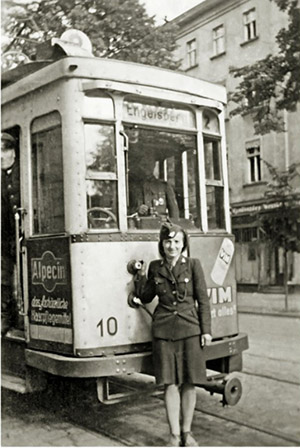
(188, 439)
(174, 440)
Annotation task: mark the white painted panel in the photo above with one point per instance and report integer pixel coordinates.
(101, 284)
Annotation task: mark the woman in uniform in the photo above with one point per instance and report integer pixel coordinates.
(181, 328)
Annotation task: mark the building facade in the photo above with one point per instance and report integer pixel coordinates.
(213, 37)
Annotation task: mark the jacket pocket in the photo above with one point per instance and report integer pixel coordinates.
(185, 285)
(160, 285)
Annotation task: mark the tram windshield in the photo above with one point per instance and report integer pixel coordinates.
(162, 169)
(101, 178)
(162, 178)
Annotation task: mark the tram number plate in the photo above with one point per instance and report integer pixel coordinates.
(108, 326)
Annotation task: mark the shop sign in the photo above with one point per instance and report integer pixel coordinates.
(255, 208)
(243, 210)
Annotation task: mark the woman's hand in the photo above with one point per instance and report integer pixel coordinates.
(205, 339)
(133, 301)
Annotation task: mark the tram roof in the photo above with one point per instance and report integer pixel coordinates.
(33, 75)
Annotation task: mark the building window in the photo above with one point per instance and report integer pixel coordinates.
(245, 235)
(218, 40)
(254, 162)
(249, 237)
(249, 24)
(191, 53)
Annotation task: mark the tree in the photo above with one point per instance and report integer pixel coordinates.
(272, 84)
(119, 29)
(281, 228)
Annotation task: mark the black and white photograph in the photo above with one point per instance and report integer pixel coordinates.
(150, 223)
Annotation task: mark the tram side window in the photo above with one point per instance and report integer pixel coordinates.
(47, 169)
(214, 184)
(101, 176)
(162, 180)
(193, 191)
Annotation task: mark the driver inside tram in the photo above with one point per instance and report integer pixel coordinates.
(148, 195)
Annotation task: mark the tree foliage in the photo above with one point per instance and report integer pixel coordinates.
(119, 29)
(272, 84)
(281, 227)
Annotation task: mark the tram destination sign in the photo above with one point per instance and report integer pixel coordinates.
(49, 282)
(152, 114)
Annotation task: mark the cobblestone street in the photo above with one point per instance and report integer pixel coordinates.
(26, 423)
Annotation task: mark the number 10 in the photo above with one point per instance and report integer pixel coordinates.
(111, 326)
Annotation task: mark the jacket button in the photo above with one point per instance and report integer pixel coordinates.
(174, 303)
(173, 292)
(175, 312)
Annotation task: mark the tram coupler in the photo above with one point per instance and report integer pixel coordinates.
(230, 388)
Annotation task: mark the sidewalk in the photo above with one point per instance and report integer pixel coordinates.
(26, 423)
(262, 303)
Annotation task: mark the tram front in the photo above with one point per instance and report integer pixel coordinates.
(117, 149)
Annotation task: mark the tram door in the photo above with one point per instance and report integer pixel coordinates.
(48, 249)
(11, 233)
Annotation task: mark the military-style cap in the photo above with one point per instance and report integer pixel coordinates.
(169, 230)
(7, 137)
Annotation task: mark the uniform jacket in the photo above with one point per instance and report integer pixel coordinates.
(10, 200)
(156, 194)
(183, 309)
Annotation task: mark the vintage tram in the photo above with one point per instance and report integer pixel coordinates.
(82, 123)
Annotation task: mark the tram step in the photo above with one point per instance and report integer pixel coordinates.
(34, 381)
(14, 383)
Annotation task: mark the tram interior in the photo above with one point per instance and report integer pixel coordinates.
(162, 179)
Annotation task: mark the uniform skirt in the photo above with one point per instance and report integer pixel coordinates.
(178, 362)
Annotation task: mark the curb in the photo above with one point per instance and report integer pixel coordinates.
(268, 312)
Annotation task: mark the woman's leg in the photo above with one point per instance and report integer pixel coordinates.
(172, 404)
(188, 403)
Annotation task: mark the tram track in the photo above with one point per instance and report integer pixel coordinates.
(270, 377)
(278, 434)
(258, 429)
(141, 421)
(273, 368)
(124, 423)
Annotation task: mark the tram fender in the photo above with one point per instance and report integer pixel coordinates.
(89, 367)
(226, 347)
